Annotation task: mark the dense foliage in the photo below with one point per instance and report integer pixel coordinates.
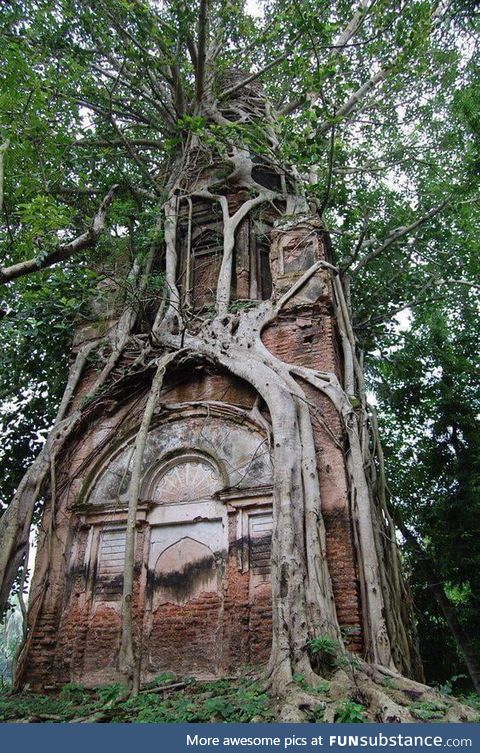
(430, 389)
(386, 130)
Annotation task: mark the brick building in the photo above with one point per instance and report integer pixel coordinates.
(203, 593)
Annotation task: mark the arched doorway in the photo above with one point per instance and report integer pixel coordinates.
(186, 566)
(202, 599)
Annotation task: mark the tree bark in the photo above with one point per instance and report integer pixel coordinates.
(127, 661)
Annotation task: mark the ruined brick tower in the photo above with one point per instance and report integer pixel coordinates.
(203, 595)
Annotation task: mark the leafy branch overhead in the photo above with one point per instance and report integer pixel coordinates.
(87, 240)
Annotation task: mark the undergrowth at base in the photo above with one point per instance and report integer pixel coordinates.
(168, 699)
(241, 700)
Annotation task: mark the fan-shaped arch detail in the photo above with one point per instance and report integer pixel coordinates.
(185, 478)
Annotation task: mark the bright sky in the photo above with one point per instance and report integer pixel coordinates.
(253, 8)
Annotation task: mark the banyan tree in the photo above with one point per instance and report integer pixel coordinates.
(213, 490)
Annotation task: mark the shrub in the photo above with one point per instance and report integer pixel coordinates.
(349, 712)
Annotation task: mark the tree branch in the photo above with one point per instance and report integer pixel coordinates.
(201, 51)
(398, 233)
(192, 50)
(253, 77)
(302, 281)
(349, 106)
(330, 171)
(139, 90)
(140, 162)
(340, 43)
(123, 114)
(145, 52)
(82, 242)
(146, 143)
(3, 149)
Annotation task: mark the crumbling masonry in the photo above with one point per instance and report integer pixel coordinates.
(203, 595)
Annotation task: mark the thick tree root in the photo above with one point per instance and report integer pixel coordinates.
(371, 694)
